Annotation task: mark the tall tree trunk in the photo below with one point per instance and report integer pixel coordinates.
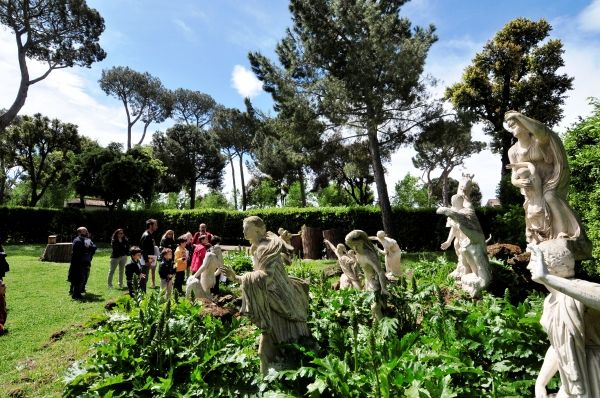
(235, 203)
(144, 133)
(379, 174)
(244, 199)
(507, 192)
(129, 125)
(444, 178)
(192, 193)
(302, 188)
(7, 117)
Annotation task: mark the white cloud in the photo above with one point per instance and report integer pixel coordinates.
(582, 61)
(64, 94)
(589, 18)
(245, 82)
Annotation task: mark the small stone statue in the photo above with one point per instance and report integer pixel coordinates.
(392, 253)
(366, 256)
(472, 246)
(455, 236)
(349, 278)
(206, 277)
(276, 303)
(543, 148)
(571, 317)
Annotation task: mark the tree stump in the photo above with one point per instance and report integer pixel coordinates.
(312, 242)
(296, 242)
(335, 236)
(58, 253)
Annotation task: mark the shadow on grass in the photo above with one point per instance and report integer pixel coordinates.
(91, 298)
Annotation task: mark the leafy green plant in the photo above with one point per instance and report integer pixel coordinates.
(240, 261)
(158, 348)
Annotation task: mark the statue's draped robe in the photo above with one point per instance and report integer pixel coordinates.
(276, 303)
(548, 155)
(574, 333)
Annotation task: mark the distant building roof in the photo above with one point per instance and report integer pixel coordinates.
(494, 202)
(89, 204)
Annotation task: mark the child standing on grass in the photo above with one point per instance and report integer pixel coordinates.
(134, 267)
(180, 263)
(166, 271)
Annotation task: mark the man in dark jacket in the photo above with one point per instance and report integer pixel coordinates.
(3, 270)
(81, 262)
(147, 244)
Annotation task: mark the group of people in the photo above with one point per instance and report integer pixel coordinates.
(174, 257)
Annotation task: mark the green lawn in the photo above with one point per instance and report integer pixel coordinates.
(47, 330)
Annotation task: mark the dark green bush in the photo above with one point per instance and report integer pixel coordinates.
(416, 229)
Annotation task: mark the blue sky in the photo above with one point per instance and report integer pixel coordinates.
(203, 45)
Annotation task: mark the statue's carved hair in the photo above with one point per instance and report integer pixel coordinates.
(558, 258)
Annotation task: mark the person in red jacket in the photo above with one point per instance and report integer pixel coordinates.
(199, 253)
(202, 230)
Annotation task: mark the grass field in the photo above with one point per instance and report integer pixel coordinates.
(47, 330)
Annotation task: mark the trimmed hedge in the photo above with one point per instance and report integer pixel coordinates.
(416, 229)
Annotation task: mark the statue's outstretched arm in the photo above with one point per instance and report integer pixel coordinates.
(586, 292)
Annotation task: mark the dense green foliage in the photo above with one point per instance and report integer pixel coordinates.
(356, 65)
(164, 348)
(417, 229)
(433, 343)
(41, 148)
(582, 144)
(518, 69)
(444, 144)
(191, 157)
(57, 33)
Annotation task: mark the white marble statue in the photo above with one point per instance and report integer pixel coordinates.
(392, 254)
(471, 241)
(543, 148)
(206, 277)
(276, 303)
(350, 274)
(537, 227)
(455, 235)
(571, 317)
(465, 188)
(368, 260)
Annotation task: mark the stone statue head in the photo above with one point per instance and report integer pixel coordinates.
(341, 249)
(557, 257)
(359, 241)
(254, 228)
(457, 201)
(381, 234)
(465, 185)
(516, 128)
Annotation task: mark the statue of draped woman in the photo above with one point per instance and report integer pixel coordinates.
(539, 156)
(275, 302)
(571, 318)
